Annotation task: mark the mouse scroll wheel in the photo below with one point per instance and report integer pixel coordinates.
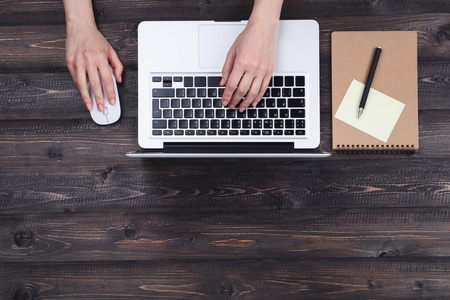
(105, 111)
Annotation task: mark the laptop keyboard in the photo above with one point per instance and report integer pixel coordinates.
(191, 105)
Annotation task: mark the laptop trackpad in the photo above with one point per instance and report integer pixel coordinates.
(214, 43)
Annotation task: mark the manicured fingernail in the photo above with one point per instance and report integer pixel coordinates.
(100, 107)
(113, 101)
(89, 106)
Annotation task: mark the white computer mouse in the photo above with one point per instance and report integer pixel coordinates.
(111, 113)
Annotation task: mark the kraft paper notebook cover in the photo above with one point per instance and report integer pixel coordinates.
(390, 117)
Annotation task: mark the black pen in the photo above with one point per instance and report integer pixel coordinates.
(373, 67)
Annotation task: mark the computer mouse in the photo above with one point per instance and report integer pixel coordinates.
(111, 113)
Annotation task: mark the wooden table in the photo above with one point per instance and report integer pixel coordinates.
(79, 220)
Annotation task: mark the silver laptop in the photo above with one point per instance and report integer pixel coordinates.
(180, 112)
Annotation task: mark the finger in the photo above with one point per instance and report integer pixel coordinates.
(108, 82)
(262, 91)
(242, 89)
(228, 66)
(81, 81)
(252, 93)
(116, 64)
(96, 87)
(232, 84)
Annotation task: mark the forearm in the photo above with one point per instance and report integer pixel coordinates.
(79, 14)
(266, 13)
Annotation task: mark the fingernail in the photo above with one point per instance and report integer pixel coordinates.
(221, 82)
(113, 101)
(100, 107)
(241, 109)
(89, 106)
(224, 103)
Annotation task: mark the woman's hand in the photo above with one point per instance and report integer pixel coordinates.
(250, 61)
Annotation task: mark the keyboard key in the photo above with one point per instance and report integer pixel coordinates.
(234, 132)
(278, 81)
(167, 83)
(261, 103)
(177, 113)
(299, 92)
(167, 113)
(289, 81)
(199, 113)
(286, 92)
(217, 102)
(189, 132)
(167, 78)
(156, 111)
(296, 102)
(157, 132)
(196, 103)
(191, 93)
(236, 123)
(212, 92)
(241, 114)
(297, 113)
(267, 132)
(276, 92)
(156, 79)
(223, 132)
(185, 103)
(247, 123)
(183, 124)
(177, 79)
(204, 123)
(200, 81)
(220, 113)
(207, 103)
(300, 132)
(214, 81)
(221, 90)
(289, 132)
(268, 123)
(231, 113)
(273, 113)
(299, 80)
(281, 102)
(200, 132)
(168, 132)
(300, 123)
(271, 82)
(201, 93)
(284, 113)
(244, 132)
(257, 123)
(267, 93)
(175, 103)
(173, 124)
(270, 102)
(193, 124)
(289, 124)
(181, 93)
(225, 124)
(256, 132)
(179, 132)
(262, 113)
(279, 123)
(215, 124)
(251, 113)
(158, 93)
(209, 113)
(188, 113)
(160, 124)
(165, 103)
(188, 81)
(211, 132)
(278, 132)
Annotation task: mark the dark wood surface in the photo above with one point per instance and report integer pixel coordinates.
(78, 220)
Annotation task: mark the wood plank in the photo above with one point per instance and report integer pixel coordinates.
(27, 12)
(102, 183)
(42, 48)
(230, 279)
(39, 95)
(301, 233)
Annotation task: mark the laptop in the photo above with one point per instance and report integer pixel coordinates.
(180, 112)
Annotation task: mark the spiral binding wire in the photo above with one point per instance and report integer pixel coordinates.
(376, 149)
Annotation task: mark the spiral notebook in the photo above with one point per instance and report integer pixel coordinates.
(390, 118)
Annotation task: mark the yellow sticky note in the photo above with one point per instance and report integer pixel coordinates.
(380, 114)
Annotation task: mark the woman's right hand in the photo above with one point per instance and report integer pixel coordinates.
(87, 54)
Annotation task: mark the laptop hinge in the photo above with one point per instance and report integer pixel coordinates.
(228, 148)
